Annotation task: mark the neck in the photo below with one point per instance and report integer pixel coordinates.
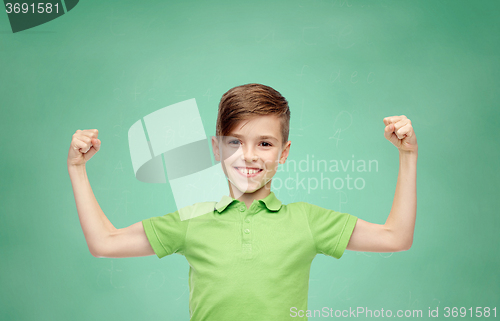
(248, 198)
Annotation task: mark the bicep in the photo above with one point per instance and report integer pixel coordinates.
(370, 237)
(130, 241)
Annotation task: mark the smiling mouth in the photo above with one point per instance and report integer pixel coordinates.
(248, 172)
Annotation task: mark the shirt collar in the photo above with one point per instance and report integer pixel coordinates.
(270, 201)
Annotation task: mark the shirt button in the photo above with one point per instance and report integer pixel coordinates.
(242, 209)
(247, 231)
(247, 220)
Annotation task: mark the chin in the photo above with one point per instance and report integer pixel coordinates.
(247, 189)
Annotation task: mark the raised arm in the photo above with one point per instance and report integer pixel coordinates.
(103, 239)
(397, 232)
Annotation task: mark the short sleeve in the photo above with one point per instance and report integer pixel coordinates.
(166, 234)
(330, 230)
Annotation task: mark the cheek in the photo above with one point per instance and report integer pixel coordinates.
(271, 163)
(230, 155)
(226, 164)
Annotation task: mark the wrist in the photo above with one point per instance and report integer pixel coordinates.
(76, 168)
(408, 154)
(408, 159)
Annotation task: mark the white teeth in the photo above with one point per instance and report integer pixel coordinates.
(248, 171)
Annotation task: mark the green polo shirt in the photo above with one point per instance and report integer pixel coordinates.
(249, 264)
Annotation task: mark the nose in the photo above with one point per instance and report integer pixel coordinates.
(248, 154)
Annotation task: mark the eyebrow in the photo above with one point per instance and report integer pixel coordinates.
(260, 137)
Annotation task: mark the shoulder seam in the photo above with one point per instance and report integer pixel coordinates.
(341, 234)
(185, 237)
(309, 226)
(157, 237)
(189, 222)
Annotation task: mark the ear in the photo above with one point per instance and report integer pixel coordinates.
(215, 148)
(285, 152)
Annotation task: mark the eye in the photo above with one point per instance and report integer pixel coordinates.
(234, 142)
(266, 144)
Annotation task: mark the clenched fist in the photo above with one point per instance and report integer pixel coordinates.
(84, 145)
(399, 132)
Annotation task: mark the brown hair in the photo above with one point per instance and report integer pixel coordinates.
(247, 101)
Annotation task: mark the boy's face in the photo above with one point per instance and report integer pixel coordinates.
(250, 154)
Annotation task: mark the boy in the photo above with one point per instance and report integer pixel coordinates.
(250, 256)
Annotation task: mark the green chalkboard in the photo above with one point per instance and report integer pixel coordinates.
(343, 66)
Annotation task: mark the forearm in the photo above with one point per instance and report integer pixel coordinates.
(95, 225)
(401, 220)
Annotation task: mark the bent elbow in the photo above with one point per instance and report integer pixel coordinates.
(96, 252)
(397, 242)
(406, 245)
(99, 256)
